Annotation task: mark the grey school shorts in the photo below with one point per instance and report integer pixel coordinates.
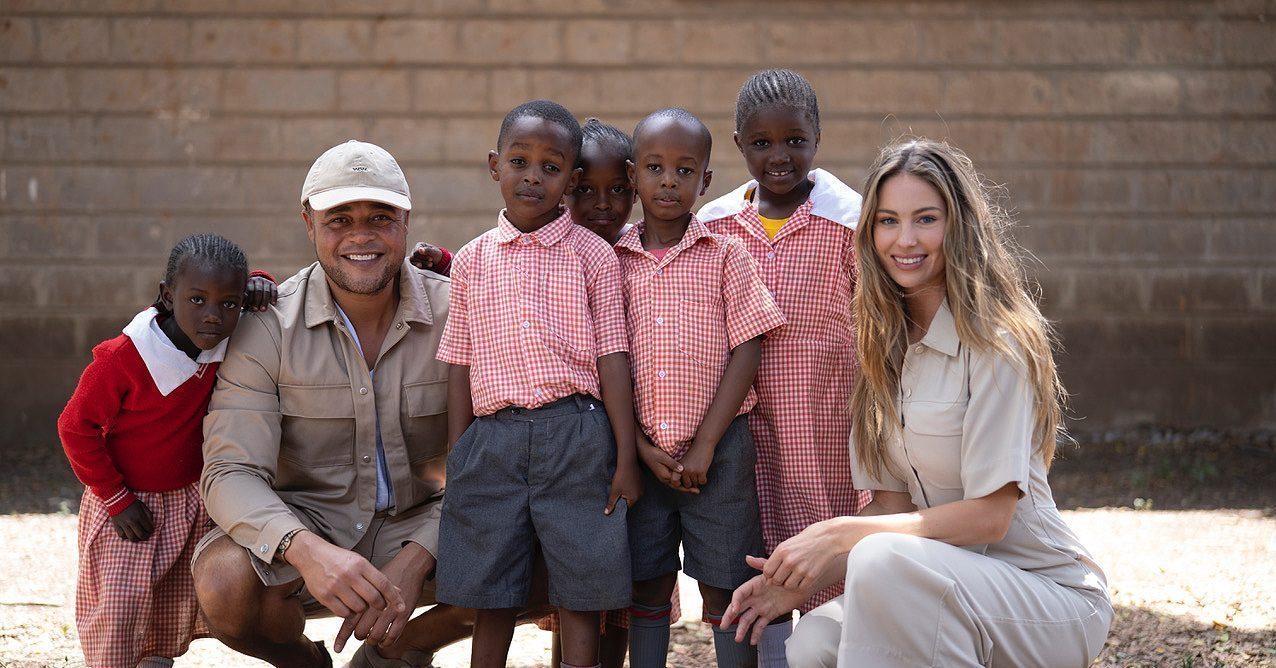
(717, 527)
(522, 475)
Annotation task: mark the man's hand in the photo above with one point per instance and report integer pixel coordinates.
(134, 522)
(407, 572)
(260, 294)
(666, 469)
(625, 483)
(342, 581)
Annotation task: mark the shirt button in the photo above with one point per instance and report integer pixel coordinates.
(661, 373)
(358, 526)
(367, 458)
(526, 324)
(664, 425)
(918, 348)
(264, 548)
(770, 255)
(660, 321)
(908, 393)
(536, 390)
(660, 271)
(398, 325)
(363, 390)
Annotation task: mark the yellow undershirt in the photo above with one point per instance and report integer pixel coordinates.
(772, 225)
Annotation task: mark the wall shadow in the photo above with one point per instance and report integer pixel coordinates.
(1167, 470)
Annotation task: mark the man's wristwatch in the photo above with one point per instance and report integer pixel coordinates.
(284, 544)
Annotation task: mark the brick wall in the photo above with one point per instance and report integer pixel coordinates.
(1137, 141)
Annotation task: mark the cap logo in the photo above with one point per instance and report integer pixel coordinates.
(359, 169)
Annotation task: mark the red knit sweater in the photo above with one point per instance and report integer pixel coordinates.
(121, 434)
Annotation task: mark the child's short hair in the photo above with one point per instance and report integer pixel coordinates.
(212, 249)
(607, 135)
(683, 115)
(776, 87)
(548, 110)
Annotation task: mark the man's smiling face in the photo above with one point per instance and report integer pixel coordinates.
(360, 245)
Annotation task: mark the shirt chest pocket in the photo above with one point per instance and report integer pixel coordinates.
(933, 433)
(563, 310)
(702, 332)
(318, 425)
(425, 419)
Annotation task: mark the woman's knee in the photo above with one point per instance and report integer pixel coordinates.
(815, 638)
(876, 559)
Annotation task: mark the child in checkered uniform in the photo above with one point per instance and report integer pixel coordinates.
(133, 434)
(540, 403)
(798, 223)
(696, 311)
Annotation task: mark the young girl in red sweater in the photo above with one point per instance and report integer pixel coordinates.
(133, 433)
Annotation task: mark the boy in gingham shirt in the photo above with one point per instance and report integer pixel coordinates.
(696, 310)
(535, 337)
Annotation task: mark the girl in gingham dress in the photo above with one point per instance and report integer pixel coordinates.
(798, 223)
(133, 434)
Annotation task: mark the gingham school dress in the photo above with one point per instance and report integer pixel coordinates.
(801, 424)
(135, 600)
(138, 409)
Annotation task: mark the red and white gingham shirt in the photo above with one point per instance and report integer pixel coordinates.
(802, 423)
(685, 313)
(530, 314)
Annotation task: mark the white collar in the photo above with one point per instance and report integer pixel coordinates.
(168, 366)
(830, 198)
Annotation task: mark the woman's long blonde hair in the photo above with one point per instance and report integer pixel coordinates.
(987, 293)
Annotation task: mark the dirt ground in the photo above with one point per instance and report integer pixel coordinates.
(1183, 522)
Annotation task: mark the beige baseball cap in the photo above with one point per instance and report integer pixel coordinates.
(352, 172)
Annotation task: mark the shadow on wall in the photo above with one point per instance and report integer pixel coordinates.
(1161, 469)
(1145, 469)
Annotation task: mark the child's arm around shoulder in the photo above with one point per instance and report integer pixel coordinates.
(261, 292)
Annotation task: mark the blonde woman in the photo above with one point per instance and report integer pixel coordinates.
(961, 559)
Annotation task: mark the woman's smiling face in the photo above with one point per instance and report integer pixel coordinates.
(908, 232)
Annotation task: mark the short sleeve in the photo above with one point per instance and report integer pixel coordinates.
(996, 442)
(860, 476)
(751, 310)
(455, 347)
(606, 300)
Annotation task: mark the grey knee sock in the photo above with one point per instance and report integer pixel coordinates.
(732, 654)
(771, 649)
(648, 636)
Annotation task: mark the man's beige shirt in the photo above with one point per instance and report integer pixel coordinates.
(290, 437)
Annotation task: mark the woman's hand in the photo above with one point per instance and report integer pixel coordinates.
(810, 558)
(755, 603)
